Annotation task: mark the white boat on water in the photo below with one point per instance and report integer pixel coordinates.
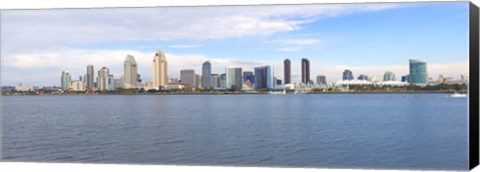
(458, 95)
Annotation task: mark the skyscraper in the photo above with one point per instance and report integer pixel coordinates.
(187, 76)
(90, 77)
(159, 70)
(347, 75)
(305, 71)
(389, 76)
(234, 78)
(206, 74)
(130, 72)
(287, 72)
(406, 78)
(321, 79)
(197, 80)
(248, 76)
(264, 77)
(214, 80)
(362, 77)
(418, 72)
(103, 79)
(223, 80)
(65, 80)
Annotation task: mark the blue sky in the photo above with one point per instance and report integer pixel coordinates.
(366, 38)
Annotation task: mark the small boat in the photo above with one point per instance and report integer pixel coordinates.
(458, 95)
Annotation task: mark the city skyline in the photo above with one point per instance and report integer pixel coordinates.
(320, 33)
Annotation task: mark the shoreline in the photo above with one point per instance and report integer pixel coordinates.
(238, 93)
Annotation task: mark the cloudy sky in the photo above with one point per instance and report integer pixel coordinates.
(37, 45)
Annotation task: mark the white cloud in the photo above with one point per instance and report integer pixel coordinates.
(185, 46)
(289, 49)
(50, 29)
(295, 41)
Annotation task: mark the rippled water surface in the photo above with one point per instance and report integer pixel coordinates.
(412, 131)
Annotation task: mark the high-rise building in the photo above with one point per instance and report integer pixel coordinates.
(103, 79)
(287, 71)
(389, 76)
(206, 74)
(111, 82)
(197, 80)
(347, 75)
(441, 79)
(305, 71)
(406, 78)
(248, 76)
(362, 77)
(278, 82)
(139, 79)
(215, 80)
(118, 83)
(130, 72)
(223, 80)
(90, 77)
(234, 78)
(264, 77)
(321, 79)
(65, 80)
(418, 72)
(187, 76)
(159, 70)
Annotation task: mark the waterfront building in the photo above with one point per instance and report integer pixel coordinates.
(406, 78)
(347, 75)
(418, 72)
(263, 77)
(234, 78)
(305, 71)
(389, 76)
(353, 82)
(118, 83)
(159, 70)
(321, 80)
(391, 83)
(172, 87)
(441, 79)
(223, 80)
(90, 77)
(214, 80)
(206, 75)
(65, 80)
(197, 81)
(249, 76)
(464, 77)
(77, 85)
(21, 87)
(187, 76)
(278, 82)
(287, 71)
(103, 80)
(111, 82)
(362, 77)
(139, 79)
(130, 75)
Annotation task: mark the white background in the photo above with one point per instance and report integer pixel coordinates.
(32, 4)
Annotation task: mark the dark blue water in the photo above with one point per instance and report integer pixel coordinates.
(401, 131)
